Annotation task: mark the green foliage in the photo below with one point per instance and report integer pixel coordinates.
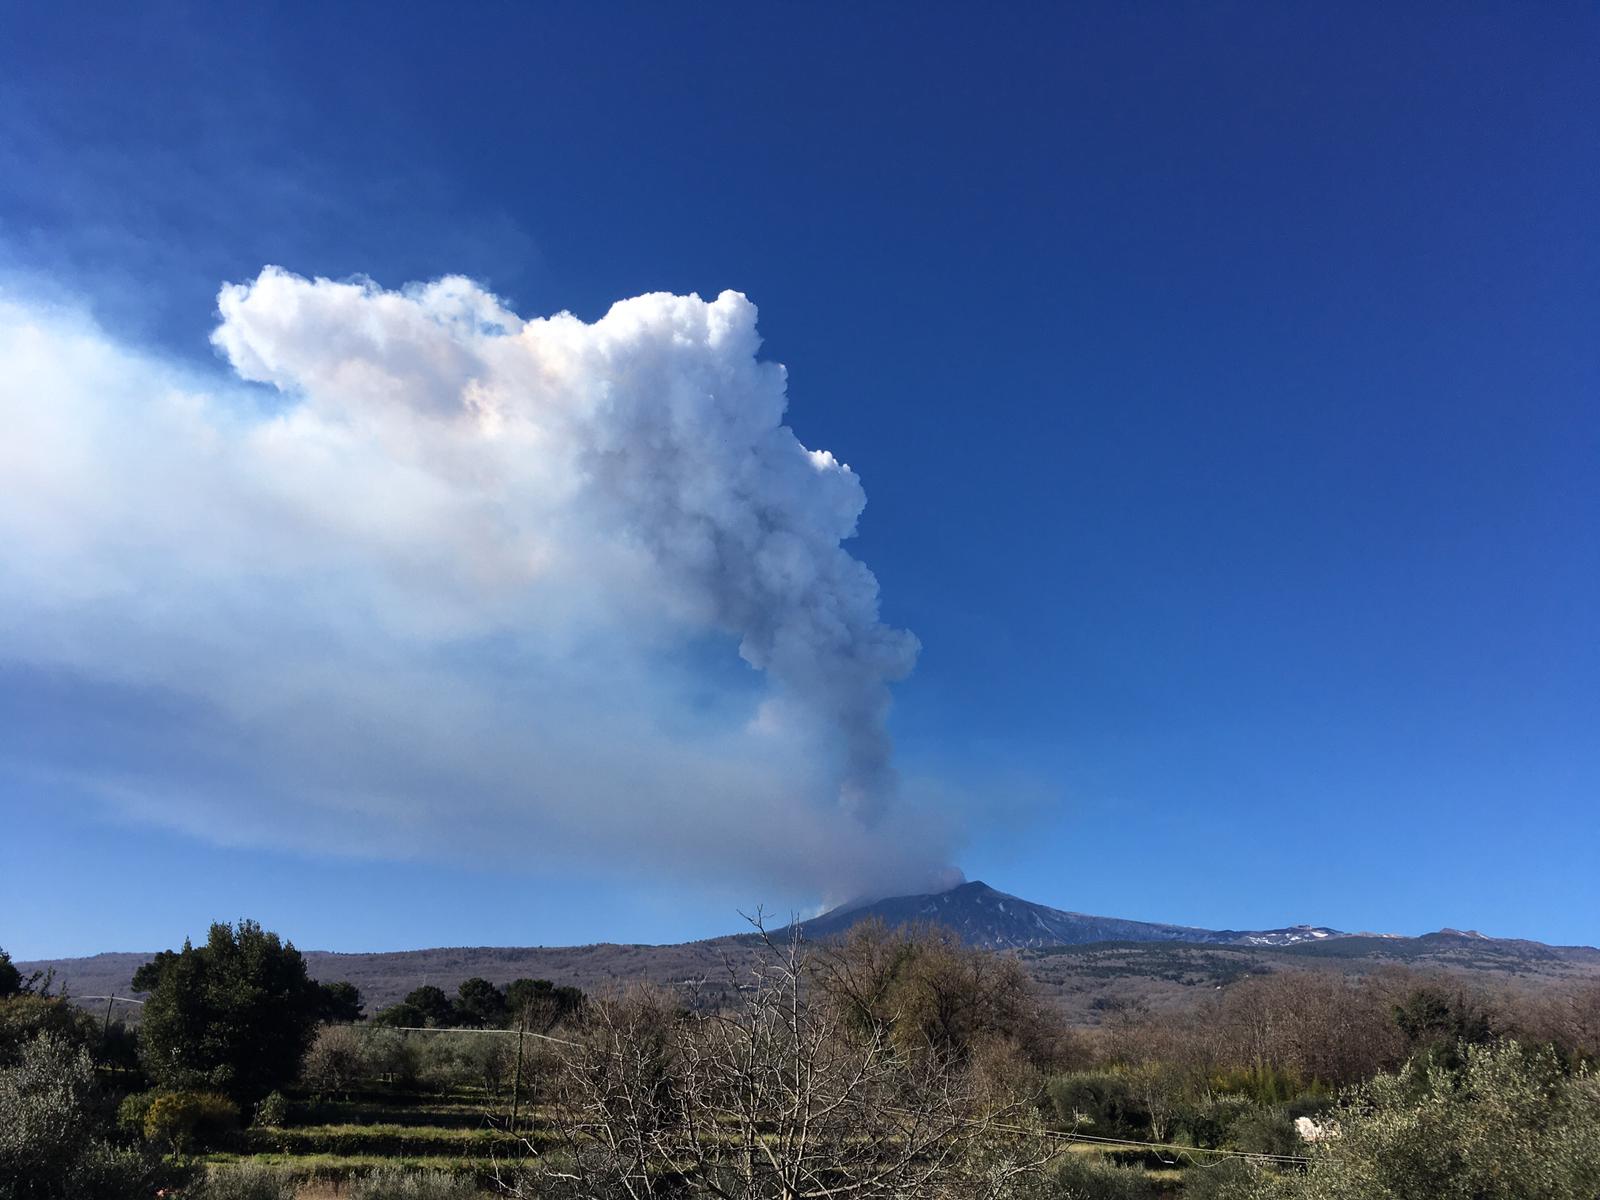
(1230, 1179)
(1261, 1084)
(104, 1171)
(147, 977)
(1437, 1022)
(392, 1140)
(542, 1002)
(53, 1130)
(247, 1181)
(24, 1016)
(118, 1048)
(1208, 1121)
(236, 1014)
(393, 1184)
(335, 1062)
(401, 1016)
(1103, 1103)
(479, 1003)
(340, 1002)
(134, 1108)
(1085, 1177)
(189, 1121)
(273, 1111)
(434, 1005)
(1266, 1131)
(1509, 1124)
(392, 1056)
(452, 1061)
(14, 983)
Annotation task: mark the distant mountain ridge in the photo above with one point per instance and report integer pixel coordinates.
(1076, 958)
(982, 916)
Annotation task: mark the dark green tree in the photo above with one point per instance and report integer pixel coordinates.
(341, 1002)
(236, 1014)
(400, 1016)
(541, 1002)
(14, 983)
(480, 1003)
(434, 1006)
(147, 976)
(1437, 1022)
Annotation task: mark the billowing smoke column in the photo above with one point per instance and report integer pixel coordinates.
(452, 584)
(656, 428)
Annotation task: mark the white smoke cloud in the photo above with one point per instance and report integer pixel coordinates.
(461, 584)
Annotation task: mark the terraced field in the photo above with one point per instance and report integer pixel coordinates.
(463, 1131)
(326, 1143)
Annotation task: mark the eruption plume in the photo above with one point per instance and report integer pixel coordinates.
(466, 569)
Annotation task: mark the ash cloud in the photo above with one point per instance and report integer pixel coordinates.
(462, 583)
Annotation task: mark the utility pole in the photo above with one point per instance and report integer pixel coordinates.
(516, 1077)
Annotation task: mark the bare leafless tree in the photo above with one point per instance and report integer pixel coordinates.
(779, 1095)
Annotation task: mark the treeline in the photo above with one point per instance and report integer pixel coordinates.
(1323, 1031)
(479, 1004)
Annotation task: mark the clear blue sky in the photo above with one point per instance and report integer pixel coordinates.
(1224, 381)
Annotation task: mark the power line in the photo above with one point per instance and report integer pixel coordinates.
(543, 1037)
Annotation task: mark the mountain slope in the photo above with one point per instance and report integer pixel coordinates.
(982, 916)
(1084, 963)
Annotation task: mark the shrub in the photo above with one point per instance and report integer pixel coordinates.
(1081, 1177)
(52, 1131)
(1266, 1131)
(190, 1121)
(24, 1016)
(102, 1171)
(1207, 1122)
(336, 1062)
(394, 1184)
(245, 1182)
(1103, 1103)
(1262, 1085)
(135, 1107)
(273, 1111)
(1509, 1124)
(1230, 1179)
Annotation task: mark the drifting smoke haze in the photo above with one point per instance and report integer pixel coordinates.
(460, 584)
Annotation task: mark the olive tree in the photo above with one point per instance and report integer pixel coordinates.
(54, 1130)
